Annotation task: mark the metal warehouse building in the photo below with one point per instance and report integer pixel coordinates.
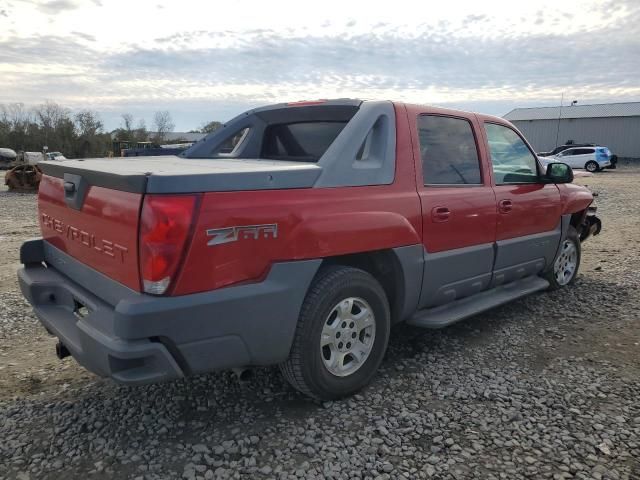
(614, 125)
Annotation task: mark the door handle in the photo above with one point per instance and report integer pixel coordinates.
(505, 206)
(69, 187)
(440, 214)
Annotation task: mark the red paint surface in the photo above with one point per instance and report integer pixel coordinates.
(315, 222)
(472, 208)
(103, 235)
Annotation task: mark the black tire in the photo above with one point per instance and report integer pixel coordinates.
(305, 369)
(554, 284)
(591, 166)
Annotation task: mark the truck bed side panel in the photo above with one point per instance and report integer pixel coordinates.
(311, 223)
(239, 235)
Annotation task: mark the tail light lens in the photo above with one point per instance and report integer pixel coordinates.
(165, 227)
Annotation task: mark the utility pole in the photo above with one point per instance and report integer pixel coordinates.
(559, 117)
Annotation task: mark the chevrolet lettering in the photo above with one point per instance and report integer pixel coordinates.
(109, 248)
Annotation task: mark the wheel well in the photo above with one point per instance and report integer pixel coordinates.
(577, 219)
(384, 266)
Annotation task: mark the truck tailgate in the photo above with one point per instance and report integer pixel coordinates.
(102, 233)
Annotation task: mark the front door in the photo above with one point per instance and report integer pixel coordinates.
(528, 222)
(458, 210)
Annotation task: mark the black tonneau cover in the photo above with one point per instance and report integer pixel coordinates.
(172, 174)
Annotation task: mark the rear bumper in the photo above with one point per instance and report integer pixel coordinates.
(136, 338)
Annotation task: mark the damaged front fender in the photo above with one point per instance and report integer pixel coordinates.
(591, 224)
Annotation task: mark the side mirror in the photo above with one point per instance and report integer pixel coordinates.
(559, 173)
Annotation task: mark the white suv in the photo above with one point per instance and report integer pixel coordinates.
(591, 159)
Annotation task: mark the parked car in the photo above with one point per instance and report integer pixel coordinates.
(33, 158)
(55, 156)
(297, 234)
(559, 149)
(545, 161)
(7, 157)
(592, 159)
(613, 159)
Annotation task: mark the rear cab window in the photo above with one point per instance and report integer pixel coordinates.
(448, 151)
(302, 141)
(289, 132)
(511, 159)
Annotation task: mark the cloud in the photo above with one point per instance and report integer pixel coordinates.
(45, 51)
(53, 7)
(85, 36)
(470, 62)
(440, 58)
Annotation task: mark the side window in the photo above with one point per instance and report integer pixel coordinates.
(448, 150)
(583, 151)
(511, 159)
(231, 144)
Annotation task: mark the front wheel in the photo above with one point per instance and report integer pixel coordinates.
(567, 262)
(591, 166)
(342, 334)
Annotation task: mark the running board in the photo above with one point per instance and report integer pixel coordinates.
(445, 315)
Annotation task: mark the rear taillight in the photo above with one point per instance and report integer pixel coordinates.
(165, 228)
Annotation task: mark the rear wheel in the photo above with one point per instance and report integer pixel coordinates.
(567, 262)
(591, 166)
(342, 334)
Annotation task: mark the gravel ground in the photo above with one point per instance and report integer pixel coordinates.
(546, 387)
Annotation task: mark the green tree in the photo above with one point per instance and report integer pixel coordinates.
(210, 127)
(90, 138)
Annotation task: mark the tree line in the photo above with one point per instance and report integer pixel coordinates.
(77, 135)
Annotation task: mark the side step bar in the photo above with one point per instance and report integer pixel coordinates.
(445, 315)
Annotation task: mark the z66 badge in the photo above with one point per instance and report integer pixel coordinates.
(246, 232)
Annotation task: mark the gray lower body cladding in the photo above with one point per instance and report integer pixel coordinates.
(136, 338)
(464, 272)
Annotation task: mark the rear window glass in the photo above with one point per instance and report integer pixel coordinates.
(303, 141)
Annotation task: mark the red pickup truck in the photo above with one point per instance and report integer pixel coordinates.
(297, 235)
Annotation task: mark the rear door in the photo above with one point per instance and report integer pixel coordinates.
(528, 219)
(458, 207)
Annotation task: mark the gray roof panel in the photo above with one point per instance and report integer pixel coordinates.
(628, 109)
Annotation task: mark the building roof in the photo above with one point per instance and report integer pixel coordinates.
(628, 109)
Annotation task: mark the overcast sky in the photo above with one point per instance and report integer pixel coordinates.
(209, 60)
